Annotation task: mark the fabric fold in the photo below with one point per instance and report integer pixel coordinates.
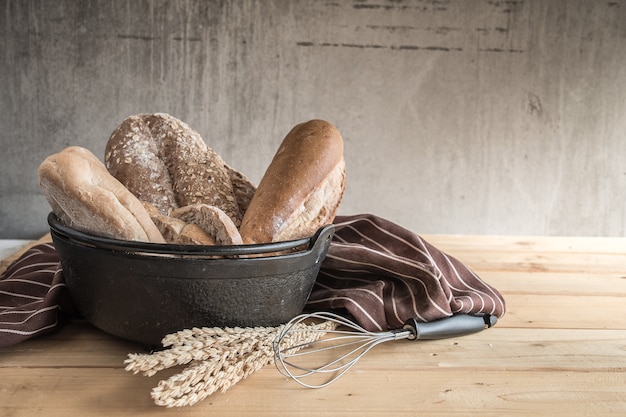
(32, 295)
(383, 274)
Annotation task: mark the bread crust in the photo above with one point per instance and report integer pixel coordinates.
(243, 189)
(192, 234)
(166, 163)
(133, 157)
(302, 187)
(85, 196)
(212, 220)
(169, 227)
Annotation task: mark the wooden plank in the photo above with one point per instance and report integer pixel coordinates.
(532, 244)
(4, 263)
(505, 260)
(440, 392)
(76, 344)
(444, 392)
(564, 312)
(556, 283)
(536, 254)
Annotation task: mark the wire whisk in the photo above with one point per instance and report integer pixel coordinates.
(333, 354)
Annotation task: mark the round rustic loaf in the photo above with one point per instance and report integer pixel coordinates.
(164, 162)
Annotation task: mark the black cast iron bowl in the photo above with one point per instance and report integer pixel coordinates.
(142, 291)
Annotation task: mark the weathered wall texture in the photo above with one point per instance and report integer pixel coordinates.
(459, 116)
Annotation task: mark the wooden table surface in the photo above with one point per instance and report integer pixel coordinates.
(559, 351)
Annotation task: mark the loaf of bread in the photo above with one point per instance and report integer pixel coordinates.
(85, 196)
(164, 162)
(302, 187)
(178, 231)
(212, 220)
(192, 234)
(133, 157)
(243, 188)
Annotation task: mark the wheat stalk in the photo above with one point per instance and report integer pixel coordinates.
(218, 358)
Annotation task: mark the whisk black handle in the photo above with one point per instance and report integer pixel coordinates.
(453, 326)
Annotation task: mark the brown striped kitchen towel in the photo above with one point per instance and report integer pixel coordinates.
(32, 295)
(375, 270)
(383, 274)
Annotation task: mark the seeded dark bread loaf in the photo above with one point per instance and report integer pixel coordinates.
(85, 196)
(302, 187)
(133, 157)
(164, 162)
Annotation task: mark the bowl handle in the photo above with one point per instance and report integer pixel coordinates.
(320, 241)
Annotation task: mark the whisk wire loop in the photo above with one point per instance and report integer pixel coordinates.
(352, 344)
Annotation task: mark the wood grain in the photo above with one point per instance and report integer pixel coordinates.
(559, 351)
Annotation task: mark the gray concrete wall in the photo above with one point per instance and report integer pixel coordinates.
(459, 116)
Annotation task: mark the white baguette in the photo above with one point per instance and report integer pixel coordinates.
(86, 197)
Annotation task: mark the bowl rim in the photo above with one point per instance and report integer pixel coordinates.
(88, 239)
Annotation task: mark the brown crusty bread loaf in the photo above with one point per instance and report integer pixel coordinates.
(302, 187)
(178, 231)
(164, 162)
(212, 220)
(243, 189)
(85, 196)
(133, 157)
(192, 234)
